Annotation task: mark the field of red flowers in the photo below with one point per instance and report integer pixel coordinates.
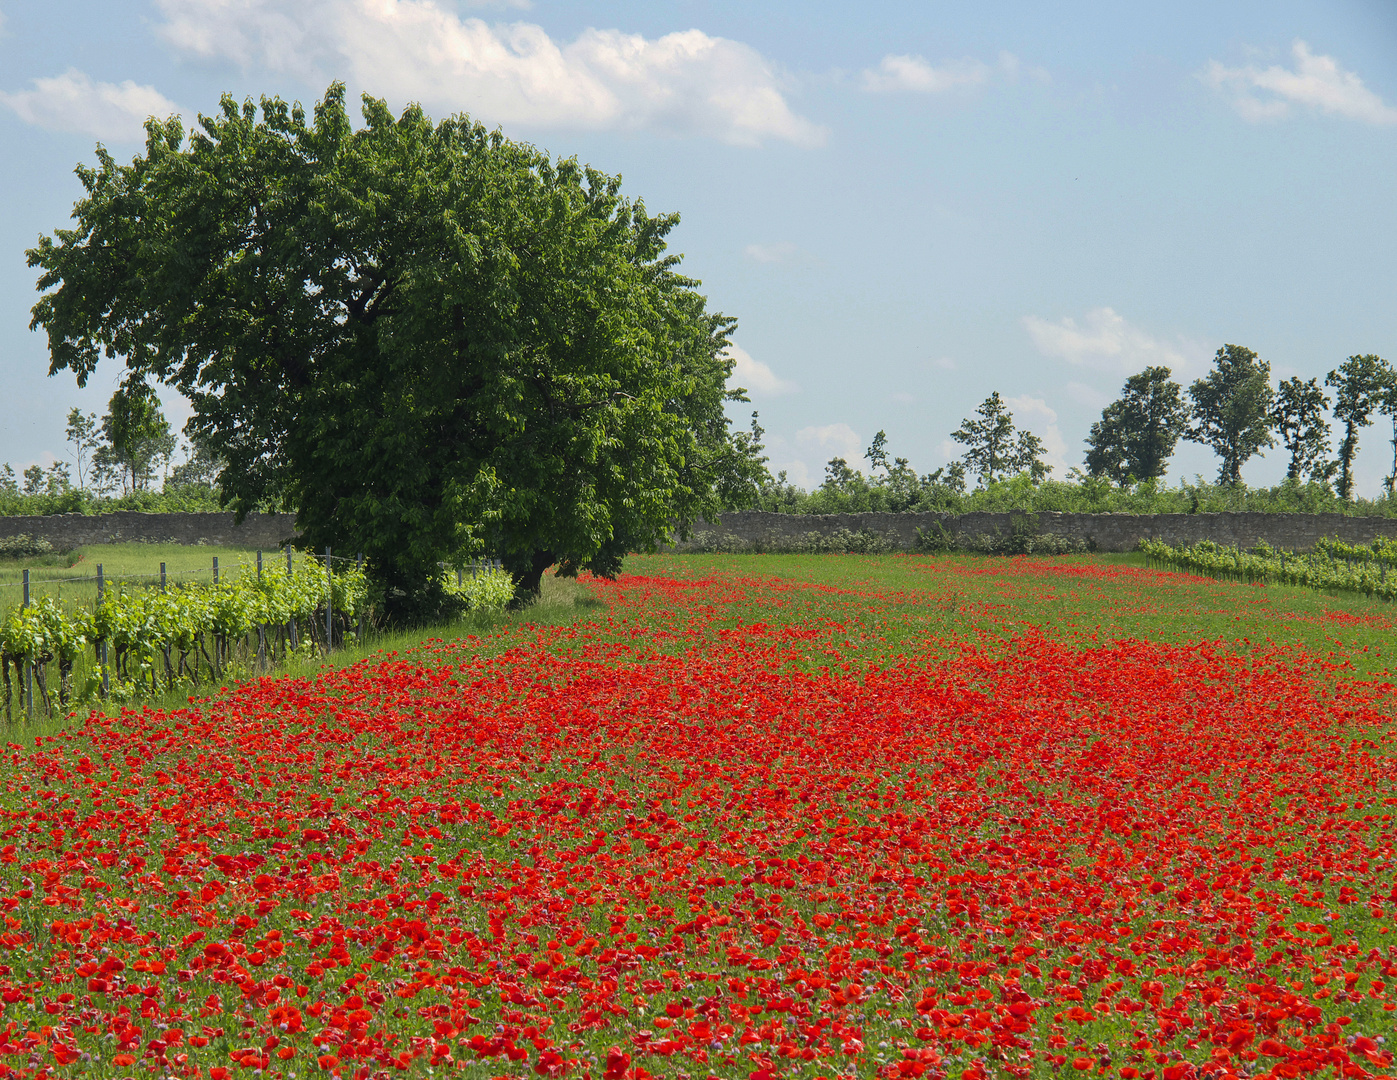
(680, 839)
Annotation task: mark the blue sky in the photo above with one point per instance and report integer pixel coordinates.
(906, 205)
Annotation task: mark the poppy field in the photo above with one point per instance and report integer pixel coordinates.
(751, 817)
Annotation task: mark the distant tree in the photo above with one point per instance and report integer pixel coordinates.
(902, 489)
(1359, 383)
(838, 475)
(1231, 410)
(1298, 414)
(59, 480)
(1387, 405)
(137, 437)
(995, 448)
(877, 453)
(55, 480)
(1137, 433)
(952, 477)
(82, 434)
(200, 467)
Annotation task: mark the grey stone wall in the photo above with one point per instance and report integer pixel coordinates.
(65, 531)
(1099, 532)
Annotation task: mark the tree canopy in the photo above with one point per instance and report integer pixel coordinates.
(428, 340)
(1137, 433)
(1359, 385)
(993, 446)
(136, 439)
(1231, 409)
(1298, 414)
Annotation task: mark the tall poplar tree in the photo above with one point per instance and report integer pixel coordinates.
(1298, 414)
(1358, 383)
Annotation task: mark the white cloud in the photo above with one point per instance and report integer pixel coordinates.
(685, 83)
(797, 473)
(896, 74)
(1035, 415)
(782, 251)
(1106, 342)
(1317, 82)
(901, 73)
(115, 112)
(836, 440)
(945, 363)
(755, 376)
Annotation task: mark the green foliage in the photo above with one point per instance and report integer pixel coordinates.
(1231, 410)
(185, 634)
(994, 447)
(1077, 495)
(24, 546)
(429, 341)
(1298, 414)
(1137, 433)
(1333, 565)
(487, 590)
(845, 491)
(172, 499)
(1359, 384)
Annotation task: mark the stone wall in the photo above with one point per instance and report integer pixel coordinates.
(64, 531)
(1098, 532)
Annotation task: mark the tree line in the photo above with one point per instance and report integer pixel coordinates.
(1234, 410)
(123, 460)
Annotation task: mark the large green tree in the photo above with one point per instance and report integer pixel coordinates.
(426, 339)
(1298, 414)
(1231, 410)
(1137, 433)
(1359, 384)
(994, 448)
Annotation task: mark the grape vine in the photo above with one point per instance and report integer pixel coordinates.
(1333, 565)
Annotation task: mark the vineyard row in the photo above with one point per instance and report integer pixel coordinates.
(141, 639)
(1333, 566)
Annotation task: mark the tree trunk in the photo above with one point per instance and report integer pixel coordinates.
(528, 575)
